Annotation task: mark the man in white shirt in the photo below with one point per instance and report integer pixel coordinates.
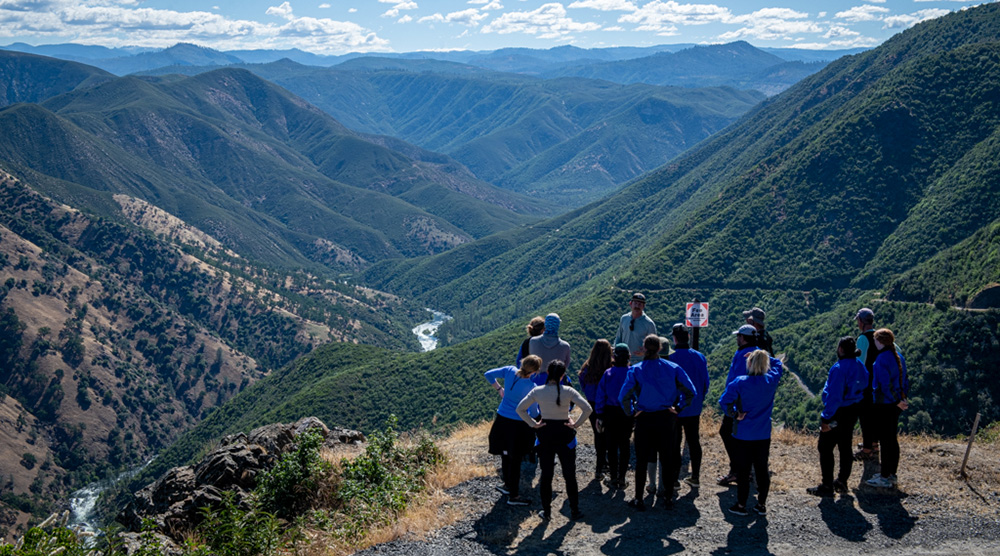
(635, 326)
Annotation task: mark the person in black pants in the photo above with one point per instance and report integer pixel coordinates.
(556, 435)
(749, 400)
(654, 392)
(689, 420)
(890, 390)
(842, 395)
(616, 424)
(591, 373)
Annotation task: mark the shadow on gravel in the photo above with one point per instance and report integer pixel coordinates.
(843, 519)
(749, 533)
(893, 519)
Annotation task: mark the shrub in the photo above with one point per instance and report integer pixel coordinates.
(289, 488)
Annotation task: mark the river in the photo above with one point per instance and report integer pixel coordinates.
(83, 502)
(426, 331)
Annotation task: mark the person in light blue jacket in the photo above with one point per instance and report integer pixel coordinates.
(689, 420)
(890, 389)
(654, 392)
(842, 397)
(510, 437)
(749, 401)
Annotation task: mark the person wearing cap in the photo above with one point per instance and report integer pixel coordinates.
(689, 419)
(755, 318)
(865, 319)
(549, 346)
(749, 402)
(745, 345)
(617, 425)
(635, 325)
(842, 395)
(654, 392)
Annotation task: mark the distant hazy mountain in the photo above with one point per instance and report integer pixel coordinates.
(735, 64)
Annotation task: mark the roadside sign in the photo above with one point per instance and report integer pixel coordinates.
(696, 315)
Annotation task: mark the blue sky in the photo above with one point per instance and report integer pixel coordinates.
(339, 26)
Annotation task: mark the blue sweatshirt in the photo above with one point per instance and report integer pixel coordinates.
(655, 385)
(515, 389)
(695, 366)
(589, 390)
(609, 387)
(753, 395)
(739, 365)
(890, 384)
(845, 385)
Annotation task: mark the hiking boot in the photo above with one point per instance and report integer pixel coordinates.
(739, 509)
(840, 486)
(878, 481)
(544, 514)
(637, 504)
(677, 485)
(518, 501)
(692, 482)
(577, 514)
(502, 490)
(650, 489)
(760, 509)
(892, 480)
(622, 483)
(727, 480)
(611, 483)
(821, 490)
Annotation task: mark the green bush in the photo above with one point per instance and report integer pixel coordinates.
(289, 487)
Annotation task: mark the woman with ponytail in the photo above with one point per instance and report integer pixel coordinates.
(890, 389)
(556, 434)
(842, 396)
(510, 438)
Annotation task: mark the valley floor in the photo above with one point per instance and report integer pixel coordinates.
(934, 511)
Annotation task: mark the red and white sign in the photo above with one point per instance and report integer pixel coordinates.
(696, 315)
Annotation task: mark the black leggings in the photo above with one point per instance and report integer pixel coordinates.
(886, 418)
(600, 440)
(690, 426)
(726, 434)
(554, 439)
(618, 432)
(840, 437)
(753, 453)
(654, 436)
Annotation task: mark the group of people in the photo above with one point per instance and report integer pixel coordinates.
(639, 390)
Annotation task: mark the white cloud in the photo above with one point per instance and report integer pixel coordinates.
(325, 6)
(605, 5)
(405, 19)
(840, 31)
(614, 28)
(909, 20)
(862, 13)
(115, 23)
(394, 11)
(493, 5)
(470, 17)
(878, 1)
(283, 11)
(771, 24)
(663, 17)
(549, 21)
(352, 10)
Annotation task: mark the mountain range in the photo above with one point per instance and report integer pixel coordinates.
(847, 190)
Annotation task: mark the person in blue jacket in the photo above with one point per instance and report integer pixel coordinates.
(842, 397)
(890, 389)
(616, 424)
(749, 401)
(593, 369)
(689, 420)
(510, 437)
(746, 343)
(655, 390)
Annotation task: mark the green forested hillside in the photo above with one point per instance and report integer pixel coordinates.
(567, 140)
(31, 78)
(258, 168)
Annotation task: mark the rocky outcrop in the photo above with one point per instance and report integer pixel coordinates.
(174, 501)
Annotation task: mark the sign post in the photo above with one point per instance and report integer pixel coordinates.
(696, 317)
